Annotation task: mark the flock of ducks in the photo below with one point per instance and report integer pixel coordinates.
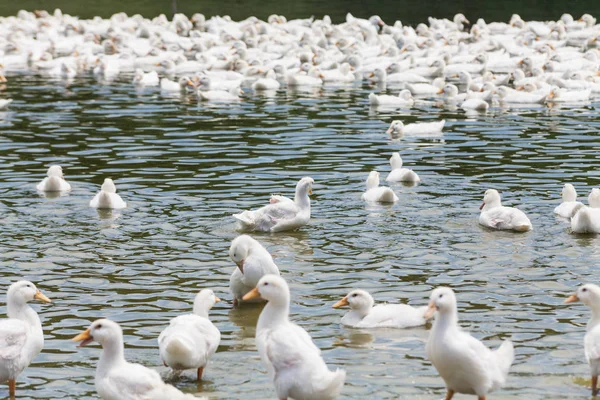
(509, 63)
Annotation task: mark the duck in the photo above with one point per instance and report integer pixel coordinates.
(191, 340)
(397, 128)
(293, 361)
(311, 79)
(589, 294)
(494, 215)
(21, 335)
(510, 96)
(117, 379)
(145, 79)
(451, 93)
(253, 262)
(399, 174)
(108, 197)
(569, 197)
(404, 99)
(280, 215)
(363, 314)
(474, 104)
(558, 95)
(426, 89)
(221, 96)
(168, 85)
(376, 193)
(4, 103)
(465, 364)
(586, 219)
(54, 182)
(269, 82)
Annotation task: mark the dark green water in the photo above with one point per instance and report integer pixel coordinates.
(409, 12)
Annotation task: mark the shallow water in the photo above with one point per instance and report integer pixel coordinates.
(185, 168)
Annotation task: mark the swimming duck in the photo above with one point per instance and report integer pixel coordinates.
(108, 197)
(281, 215)
(569, 197)
(363, 314)
(586, 219)
(404, 99)
(54, 182)
(494, 215)
(376, 193)
(397, 128)
(253, 262)
(399, 174)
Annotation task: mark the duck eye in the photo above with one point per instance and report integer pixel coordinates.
(584, 290)
(441, 295)
(266, 283)
(354, 295)
(99, 326)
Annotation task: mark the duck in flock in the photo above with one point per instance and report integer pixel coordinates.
(54, 182)
(145, 79)
(404, 99)
(586, 219)
(21, 334)
(107, 197)
(397, 128)
(4, 103)
(494, 215)
(117, 379)
(293, 361)
(376, 193)
(190, 340)
(363, 314)
(569, 197)
(282, 214)
(253, 262)
(399, 174)
(589, 295)
(465, 364)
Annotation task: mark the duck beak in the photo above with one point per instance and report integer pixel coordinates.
(190, 83)
(3, 79)
(240, 265)
(571, 299)
(84, 337)
(389, 131)
(253, 294)
(440, 91)
(343, 302)
(482, 205)
(310, 191)
(41, 297)
(217, 299)
(372, 74)
(430, 310)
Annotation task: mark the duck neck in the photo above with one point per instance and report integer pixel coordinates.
(446, 320)
(595, 319)
(301, 198)
(112, 354)
(201, 309)
(275, 313)
(22, 311)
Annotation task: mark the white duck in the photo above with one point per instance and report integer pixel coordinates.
(54, 182)
(376, 193)
(589, 295)
(190, 340)
(465, 364)
(362, 314)
(221, 96)
(558, 95)
(21, 335)
(510, 96)
(399, 174)
(168, 85)
(145, 79)
(281, 215)
(397, 128)
(293, 361)
(426, 89)
(253, 262)
(586, 219)
(310, 79)
(108, 197)
(569, 197)
(494, 215)
(117, 379)
(404, 99)
(474, 104)
(269, 82)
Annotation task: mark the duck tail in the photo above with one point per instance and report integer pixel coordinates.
(373, 99)
(336, 382)
(246, 218)
(176, 347)
(388, 196)
(505, 355)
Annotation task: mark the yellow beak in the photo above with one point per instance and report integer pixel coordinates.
(217, 299)
(430, 311)
(84, 337)
(343, 302)
(41, 297)
(571, 299)
(310, 191)
(253, 294)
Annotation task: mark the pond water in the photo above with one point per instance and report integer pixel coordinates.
(184, 168)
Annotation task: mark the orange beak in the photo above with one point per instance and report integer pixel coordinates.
(41, 297)
(571, 299)
(343, 302)
(430, 310)
(84, 337)
(253, 294)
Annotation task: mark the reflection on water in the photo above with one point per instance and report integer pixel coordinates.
(184, 168)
